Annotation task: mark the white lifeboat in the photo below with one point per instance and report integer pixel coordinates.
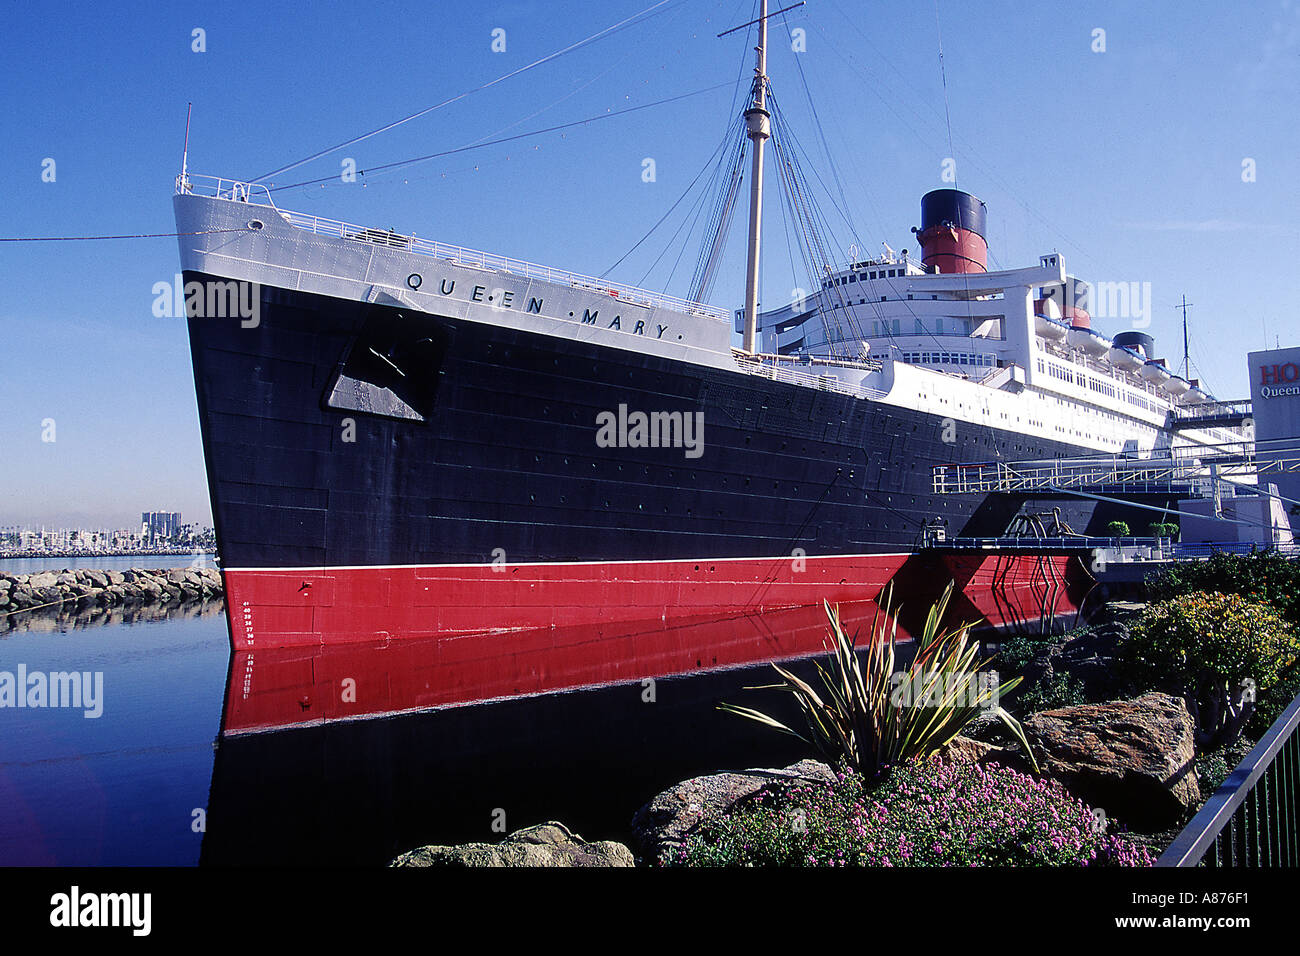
(1088, 341)
(1155, 373)
(1125, 359)
(1050, 328)
(1176, 386)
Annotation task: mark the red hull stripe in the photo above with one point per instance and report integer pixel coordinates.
(290, 608)
(277, 608)
(341, 675)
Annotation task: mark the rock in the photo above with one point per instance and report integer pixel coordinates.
(5, 584)
(547, 844)
(1135, 758)
(43, 579)
(176, 576)
(966, 750)
(65, 579)
(1089, 657)
(115, 577)
(660, 826)
(98, 579)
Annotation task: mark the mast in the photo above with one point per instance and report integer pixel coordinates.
(1187, 362)
(758, 125)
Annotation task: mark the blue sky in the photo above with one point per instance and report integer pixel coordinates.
(1128, 162)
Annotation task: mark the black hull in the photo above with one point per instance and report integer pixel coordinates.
(465, 442)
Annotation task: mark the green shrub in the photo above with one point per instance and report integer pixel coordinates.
(876, 718)
(1163, 529)
(1117, 529)
(1018, 650)
(1266, 576)
(1213, 767)
(927, 813)
(1060, 690)
(1218, 650)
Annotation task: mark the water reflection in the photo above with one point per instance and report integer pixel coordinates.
(353, 755)
(69, 617)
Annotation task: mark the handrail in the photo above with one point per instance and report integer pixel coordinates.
(1206, 828)
(824, 383)
(235, 191)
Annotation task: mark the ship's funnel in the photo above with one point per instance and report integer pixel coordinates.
(1139, 342)
(952, 231)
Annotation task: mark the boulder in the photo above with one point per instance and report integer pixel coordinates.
(42, 579)
(660, 827)
(547, 844)
(967, 750)
(99, 579)
(1089, 657)
(1134, 758)
(116, 577)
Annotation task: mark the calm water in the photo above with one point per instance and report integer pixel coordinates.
(31, 565)
(120, 788)
(186, 727)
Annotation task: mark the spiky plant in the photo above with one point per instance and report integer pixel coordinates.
(877, 718)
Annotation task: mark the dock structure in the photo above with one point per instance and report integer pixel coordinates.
(1192, 471)
(1213, 414)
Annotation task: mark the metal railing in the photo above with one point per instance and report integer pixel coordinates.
(1186, 465)
(1208, 549)
(1254, 818)
(823, 382)
(1210, 410)
(259, 195)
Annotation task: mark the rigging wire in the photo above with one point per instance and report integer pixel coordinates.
(505, 139)
(608, 31)
(709, 163)
(140, 235)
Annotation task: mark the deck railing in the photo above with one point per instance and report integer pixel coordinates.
(259, 195)
(1254, 818)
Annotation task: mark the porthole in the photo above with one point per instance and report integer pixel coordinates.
(256, 224)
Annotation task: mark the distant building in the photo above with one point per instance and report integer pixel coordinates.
(160, 525)
(1275, 401)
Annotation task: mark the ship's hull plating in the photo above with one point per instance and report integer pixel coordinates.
(379, 474)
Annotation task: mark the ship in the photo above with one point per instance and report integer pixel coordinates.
(408, 440)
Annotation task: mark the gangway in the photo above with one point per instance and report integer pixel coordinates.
(1192, 470)
(1212, 414)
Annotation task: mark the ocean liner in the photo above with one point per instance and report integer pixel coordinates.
(410, 440)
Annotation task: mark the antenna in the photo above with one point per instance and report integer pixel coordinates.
(185, 153)
(1187, 362)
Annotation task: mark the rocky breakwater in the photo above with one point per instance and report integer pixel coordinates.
(89, 587)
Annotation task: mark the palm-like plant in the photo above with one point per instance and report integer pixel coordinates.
(875, 719)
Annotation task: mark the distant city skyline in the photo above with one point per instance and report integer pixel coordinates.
(1154, 151)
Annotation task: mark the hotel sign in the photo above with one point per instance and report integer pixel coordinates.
(1279, 380)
